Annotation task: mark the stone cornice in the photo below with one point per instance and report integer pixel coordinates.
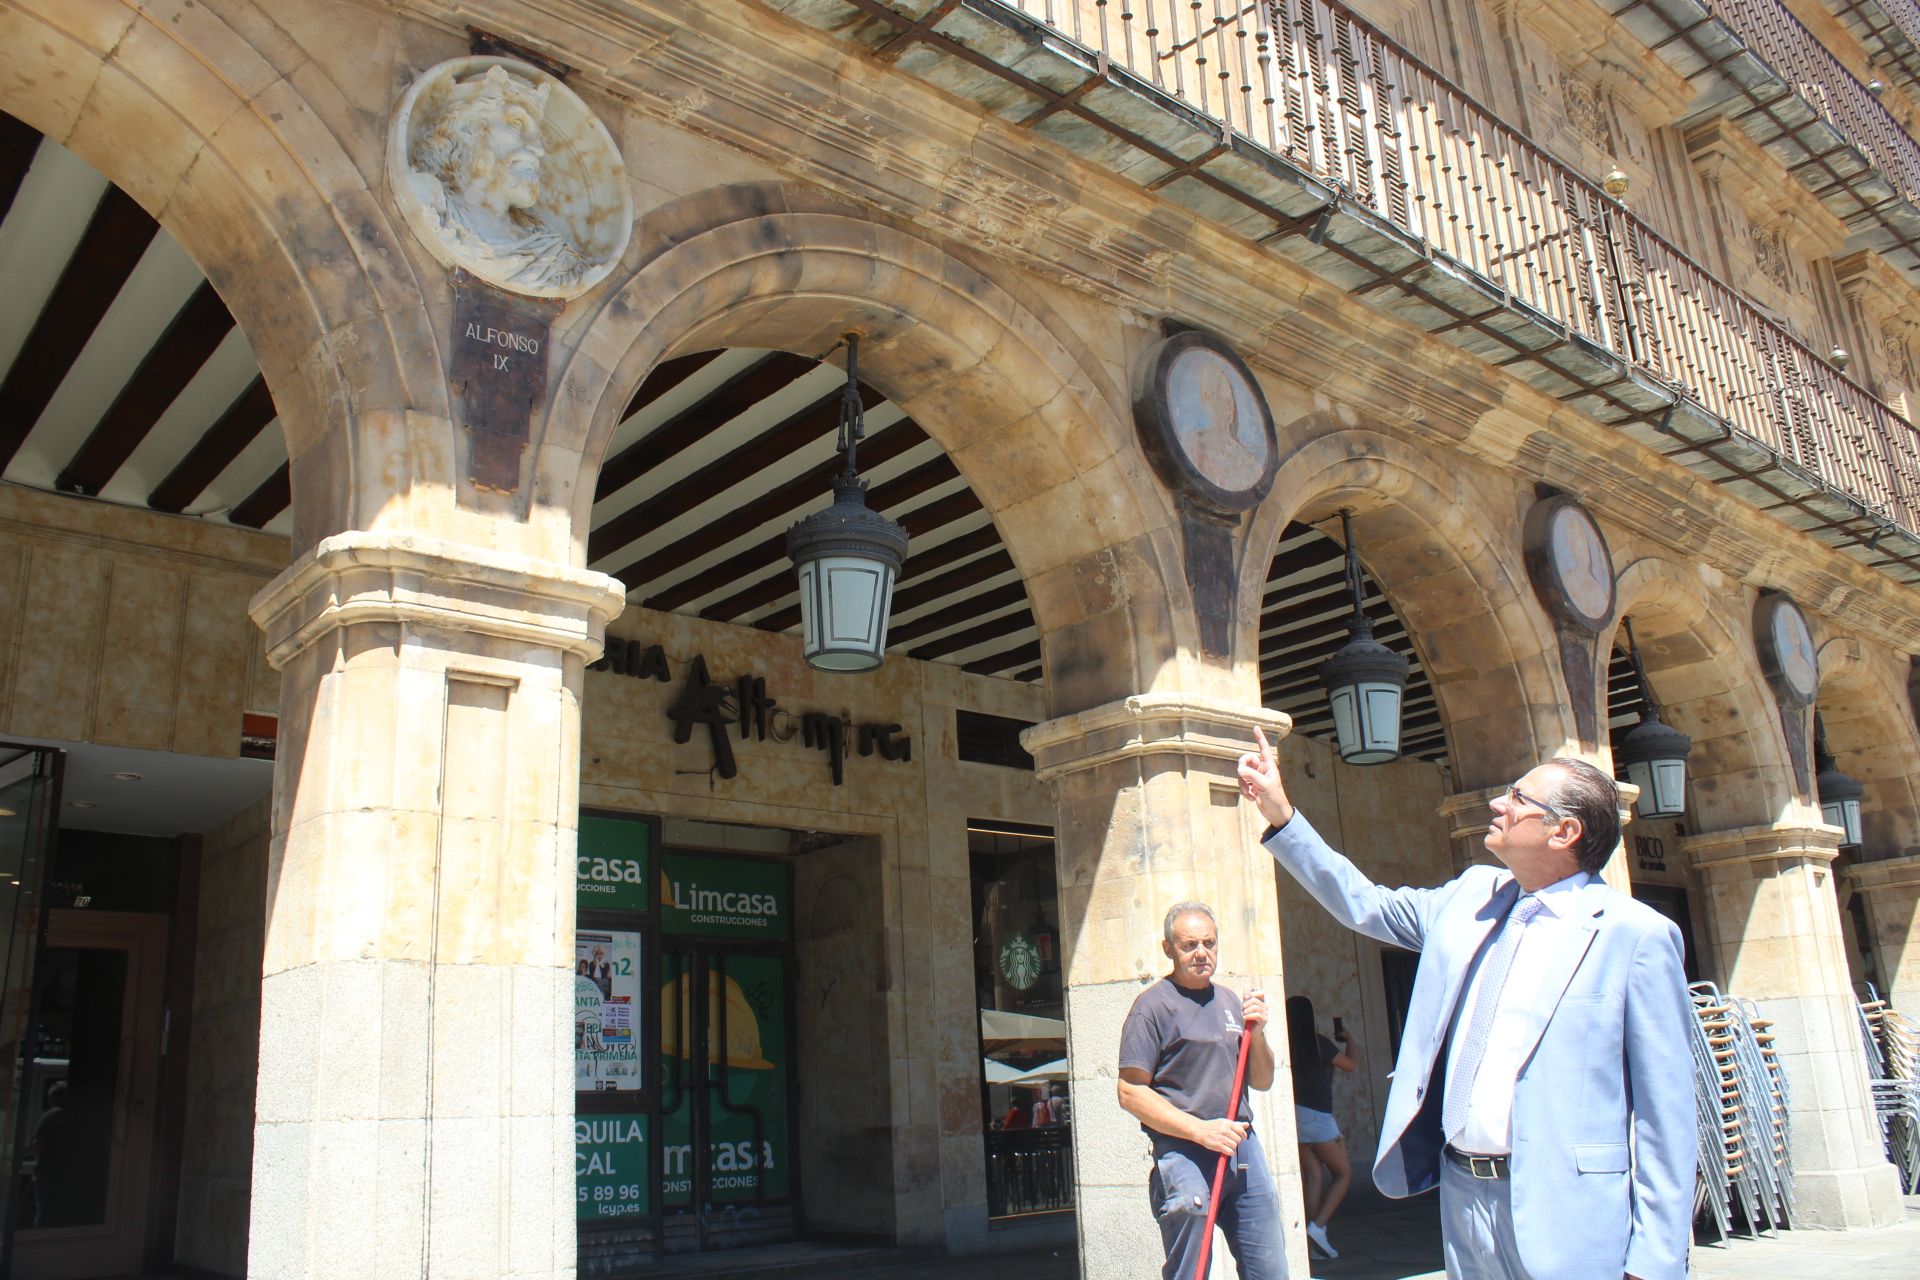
(1884, 873)
(117, 529)
(1148, 724)
(1783, 841)
(358, 578)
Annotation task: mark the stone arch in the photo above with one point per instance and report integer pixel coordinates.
(1706, 679)
(203, 128)
(1455, 575)
(1871, 732)
(1033, 419)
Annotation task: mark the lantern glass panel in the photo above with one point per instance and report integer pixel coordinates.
(1844, 814)
(843, 614)
(1366, 717)
(1663, 787)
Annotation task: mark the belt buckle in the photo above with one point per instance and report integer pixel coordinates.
(1490, 1163)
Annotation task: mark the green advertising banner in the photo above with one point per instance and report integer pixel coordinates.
(749, 1157)
(610, 1174)
(739, 898)
(614, 856)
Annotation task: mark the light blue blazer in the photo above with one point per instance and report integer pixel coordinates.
(1604, 1139)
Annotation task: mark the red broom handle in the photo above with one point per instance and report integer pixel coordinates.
(1220, 1172)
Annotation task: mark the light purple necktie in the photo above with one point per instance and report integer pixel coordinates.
(1471, 1047)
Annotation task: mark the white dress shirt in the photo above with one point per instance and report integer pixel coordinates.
(1488, 1127)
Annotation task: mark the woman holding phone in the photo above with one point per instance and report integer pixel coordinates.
(1323, 1155)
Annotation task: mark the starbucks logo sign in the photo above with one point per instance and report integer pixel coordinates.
(1019, 961)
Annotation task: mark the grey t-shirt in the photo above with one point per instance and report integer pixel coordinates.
(1188, 1043)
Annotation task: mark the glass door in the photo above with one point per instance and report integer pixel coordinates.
(88, 1107)
(29, 796)
(724, 1090)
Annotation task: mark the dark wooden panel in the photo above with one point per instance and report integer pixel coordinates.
(200, 325)
(224, 441)
(917, 589)
(791, 496)
(116, 235)
(266, 502)
(725, 402)
(775, 443)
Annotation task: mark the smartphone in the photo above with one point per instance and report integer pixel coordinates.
(1339, 1029)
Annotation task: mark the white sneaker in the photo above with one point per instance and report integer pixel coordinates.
(1317, 1234)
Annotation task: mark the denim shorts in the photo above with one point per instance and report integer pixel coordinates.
(1315, 1126)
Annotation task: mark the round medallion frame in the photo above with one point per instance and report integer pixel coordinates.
(1789, 656)
(1570, 563)
(1205, 423)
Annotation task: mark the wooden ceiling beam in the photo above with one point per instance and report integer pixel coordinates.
(117, 235)
(667, 375)
(902, 488)
(882, 447)
(1028, 652)
(993, 629)
(189, 341)
(19, 143)
(777, 442)
(976, 606)
(215, 451)
(273, 496)
(745, 389)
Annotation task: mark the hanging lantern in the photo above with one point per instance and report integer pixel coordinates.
(847, 558)
(1653, 754)
(1839, 794)
(1364, 680)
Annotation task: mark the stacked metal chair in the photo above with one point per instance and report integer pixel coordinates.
(1740, 1097)
(1893, 1071)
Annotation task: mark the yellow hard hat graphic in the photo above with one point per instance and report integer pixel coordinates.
(743, 1028)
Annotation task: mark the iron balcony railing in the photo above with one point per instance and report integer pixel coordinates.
(1334, 97)
(1825, 84)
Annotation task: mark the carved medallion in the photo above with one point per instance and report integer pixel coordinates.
(1771, 256)
(502, 170)
(1587, 111)
(1568, 560)
(1205, 422)
(1787, 655)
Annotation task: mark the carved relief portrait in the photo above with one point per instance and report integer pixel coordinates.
(499, 168)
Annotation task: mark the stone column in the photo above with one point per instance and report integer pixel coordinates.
(1149, 815)
(1891, 890)
(415, 1104)
(1773, 926)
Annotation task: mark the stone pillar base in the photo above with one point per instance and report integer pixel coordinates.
(1848, 1199)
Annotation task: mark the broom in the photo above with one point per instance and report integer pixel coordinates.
(1220, 1173)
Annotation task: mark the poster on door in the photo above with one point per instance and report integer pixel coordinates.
(610, 1174)
(606, 1011)
(746, 1086)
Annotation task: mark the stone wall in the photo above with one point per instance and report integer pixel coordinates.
(129, 629)
(217, 1158)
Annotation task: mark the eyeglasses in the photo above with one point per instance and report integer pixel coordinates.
(1516, 796)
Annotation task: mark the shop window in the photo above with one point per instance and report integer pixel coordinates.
(1026, 1115)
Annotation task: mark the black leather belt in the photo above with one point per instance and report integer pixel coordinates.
(1478, 1166)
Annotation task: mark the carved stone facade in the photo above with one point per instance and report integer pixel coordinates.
(748, 177)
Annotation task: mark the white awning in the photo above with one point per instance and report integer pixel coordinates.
(997, 1024)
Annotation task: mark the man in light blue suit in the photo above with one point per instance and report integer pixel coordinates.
(1544, 1081)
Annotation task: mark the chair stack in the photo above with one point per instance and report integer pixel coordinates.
(1740, 1098)
(1893, 1071)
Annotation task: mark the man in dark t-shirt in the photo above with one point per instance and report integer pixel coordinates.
(1178, 1051)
